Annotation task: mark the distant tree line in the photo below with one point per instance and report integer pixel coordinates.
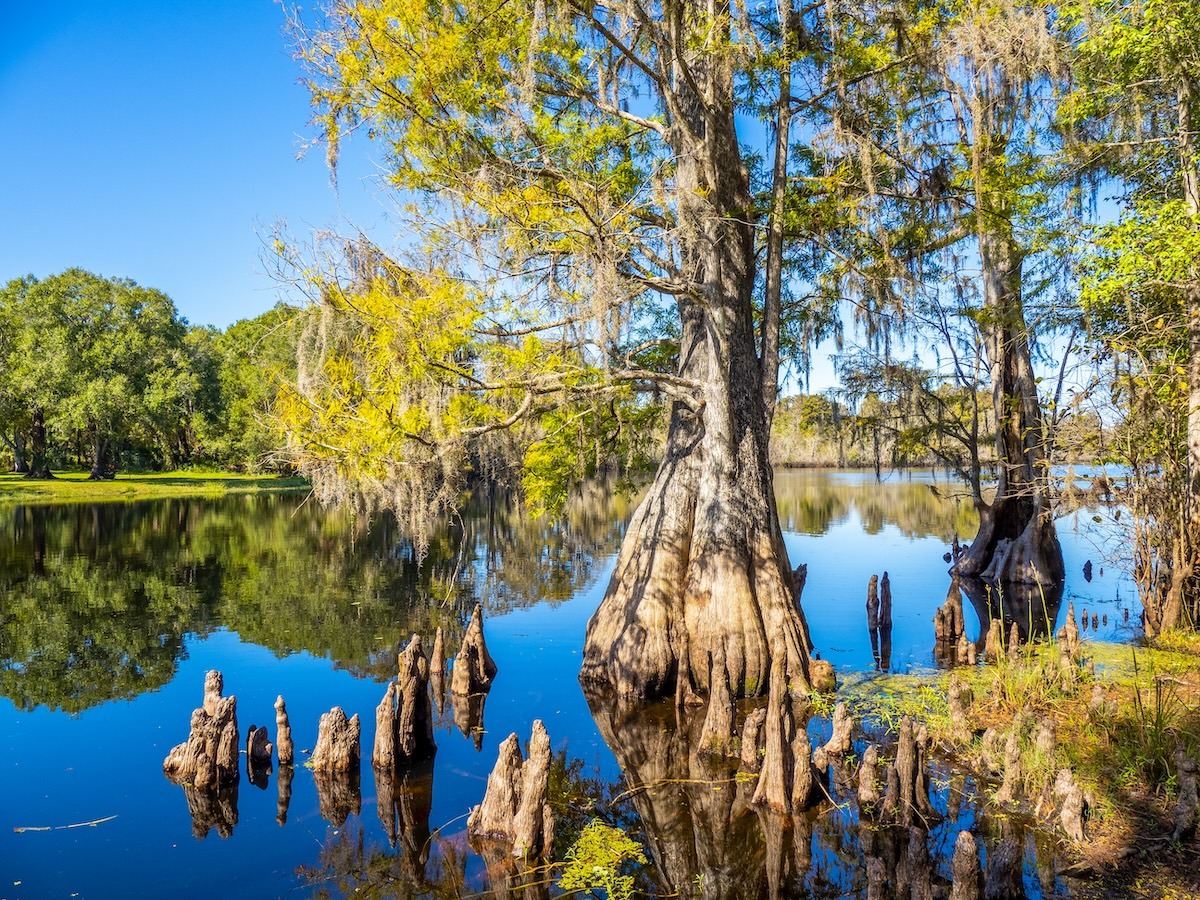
(104, 374)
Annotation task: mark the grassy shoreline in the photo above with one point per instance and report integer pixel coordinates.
(1117, 731)
(74, 487)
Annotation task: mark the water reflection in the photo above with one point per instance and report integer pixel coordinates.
(98, 599)
(1032, 608)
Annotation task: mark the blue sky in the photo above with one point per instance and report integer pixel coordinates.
(158, 141)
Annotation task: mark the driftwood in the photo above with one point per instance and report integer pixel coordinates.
(473, 667)
(965, 870)
(283, 734)
(716, 737)
(515, 811)
(337, 748)
(1003, 881)
(208, 760)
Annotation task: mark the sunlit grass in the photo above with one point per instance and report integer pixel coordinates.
(74, 487)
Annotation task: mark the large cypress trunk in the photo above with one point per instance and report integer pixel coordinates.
(1020, 512)
(703, 565)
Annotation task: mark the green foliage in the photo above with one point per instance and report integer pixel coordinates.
(599, 860)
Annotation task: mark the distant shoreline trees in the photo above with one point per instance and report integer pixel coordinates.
(104, 374)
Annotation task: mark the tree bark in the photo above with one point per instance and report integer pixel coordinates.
(20, 463)
(39, 466)
(1020, 511)
(703, 562)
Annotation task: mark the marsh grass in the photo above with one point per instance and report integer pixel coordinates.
(74, 487)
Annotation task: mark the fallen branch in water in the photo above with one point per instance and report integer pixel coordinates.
(92, 824)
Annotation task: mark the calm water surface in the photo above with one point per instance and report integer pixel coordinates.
(110, 616)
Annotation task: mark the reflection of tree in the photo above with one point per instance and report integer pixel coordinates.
(811, 503)
(95, 601)
(1034, 609)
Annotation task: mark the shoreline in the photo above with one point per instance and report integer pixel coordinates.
(74, 487)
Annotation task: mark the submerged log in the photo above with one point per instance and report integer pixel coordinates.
(965, 870)
(473, 667)
(208, 760)
(283, 734)
(515, 811)
(337, 747)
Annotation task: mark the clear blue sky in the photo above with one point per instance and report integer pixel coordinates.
(158, 141)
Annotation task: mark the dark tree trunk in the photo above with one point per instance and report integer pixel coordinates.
(101, 469)
(1020, 512)
(703, 562)
(20, 463)
(39, 466)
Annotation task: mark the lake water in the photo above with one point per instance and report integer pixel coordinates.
(111, 614)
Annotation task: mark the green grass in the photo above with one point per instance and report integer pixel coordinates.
(74, 487)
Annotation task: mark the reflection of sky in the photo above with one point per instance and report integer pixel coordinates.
(57, 769)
